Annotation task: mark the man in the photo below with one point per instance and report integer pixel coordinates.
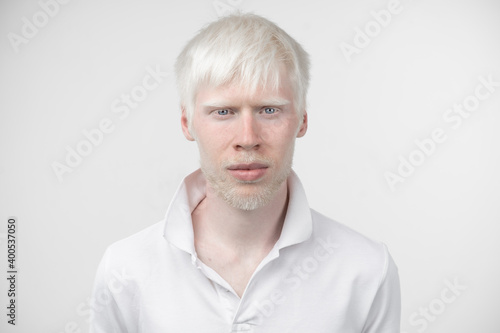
(239, 249)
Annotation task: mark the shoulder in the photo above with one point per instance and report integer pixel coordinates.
(349, 245)
(140, 241)
(136, 251)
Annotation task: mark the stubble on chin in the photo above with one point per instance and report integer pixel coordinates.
(246, 195)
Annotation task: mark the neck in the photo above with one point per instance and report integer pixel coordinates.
(240, 231)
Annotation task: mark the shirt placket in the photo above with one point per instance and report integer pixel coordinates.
(228, 296)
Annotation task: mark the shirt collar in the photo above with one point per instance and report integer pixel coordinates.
(178, 226)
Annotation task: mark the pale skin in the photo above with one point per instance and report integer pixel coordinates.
(227, 122)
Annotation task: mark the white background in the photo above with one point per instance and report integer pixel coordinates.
(441, 224)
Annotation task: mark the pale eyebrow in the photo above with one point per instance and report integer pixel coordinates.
(215, 104)
(275, 102)
(226, 104)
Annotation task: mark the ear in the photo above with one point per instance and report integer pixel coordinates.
(303, 127)
(185, 125)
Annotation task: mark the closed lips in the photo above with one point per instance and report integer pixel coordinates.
(251, 166)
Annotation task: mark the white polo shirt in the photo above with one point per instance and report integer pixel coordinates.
(319, 277)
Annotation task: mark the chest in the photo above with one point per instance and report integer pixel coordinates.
(298, 301)
(235, 270)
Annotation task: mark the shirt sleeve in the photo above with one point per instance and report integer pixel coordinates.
(385, 312)
(106, 315)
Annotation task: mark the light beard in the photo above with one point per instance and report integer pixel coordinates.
(245, 195)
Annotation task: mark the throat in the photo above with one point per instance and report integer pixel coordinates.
(235, 267)
(234, 242)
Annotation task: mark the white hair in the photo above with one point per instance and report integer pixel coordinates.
(243, 49)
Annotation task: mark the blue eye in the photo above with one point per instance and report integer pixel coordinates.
(223, 112)
(269, 110)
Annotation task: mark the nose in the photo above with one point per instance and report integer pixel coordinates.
(247, 136)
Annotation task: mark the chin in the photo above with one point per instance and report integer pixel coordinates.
(247, 203)
(250, 197)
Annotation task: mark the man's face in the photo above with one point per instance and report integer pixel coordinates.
(246, 141)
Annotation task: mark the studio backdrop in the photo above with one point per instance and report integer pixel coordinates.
(402, 145)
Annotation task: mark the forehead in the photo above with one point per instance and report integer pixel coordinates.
(239, 94)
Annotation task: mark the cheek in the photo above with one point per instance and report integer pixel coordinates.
(281, 132)
(211, 144)
(214, 140)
